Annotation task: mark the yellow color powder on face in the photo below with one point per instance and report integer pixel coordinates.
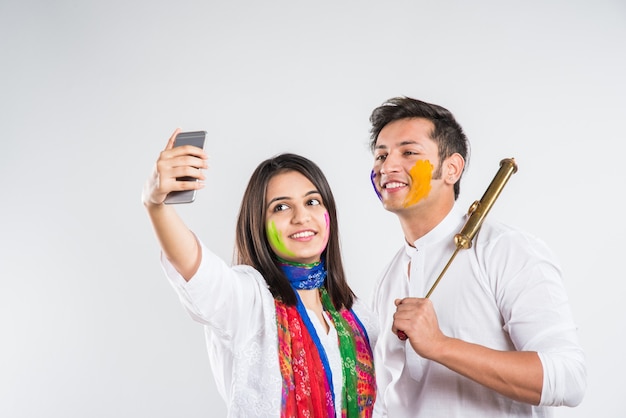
(421, 174)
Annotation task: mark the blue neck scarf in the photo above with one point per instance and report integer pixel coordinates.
(304, 276)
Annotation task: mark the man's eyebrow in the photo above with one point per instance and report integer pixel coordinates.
(403, 143)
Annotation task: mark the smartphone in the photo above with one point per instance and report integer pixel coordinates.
(195, 138)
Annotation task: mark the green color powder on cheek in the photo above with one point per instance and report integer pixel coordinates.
(275, 238)
(421, 174)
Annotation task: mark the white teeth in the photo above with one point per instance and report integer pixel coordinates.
(303, 234)
(393, 185)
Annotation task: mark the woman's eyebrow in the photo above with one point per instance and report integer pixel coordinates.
(277, 199)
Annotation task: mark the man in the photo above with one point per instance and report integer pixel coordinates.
(496, 338)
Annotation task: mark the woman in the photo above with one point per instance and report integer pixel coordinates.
(282, 328)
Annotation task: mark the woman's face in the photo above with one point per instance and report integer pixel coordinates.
(297, 223)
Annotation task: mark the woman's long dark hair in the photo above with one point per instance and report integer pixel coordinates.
(253, 248)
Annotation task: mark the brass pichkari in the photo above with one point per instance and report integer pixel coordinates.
(477, 213)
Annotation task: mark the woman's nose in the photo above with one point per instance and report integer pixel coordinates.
(300, 215)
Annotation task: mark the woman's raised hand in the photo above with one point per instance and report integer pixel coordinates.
(174, 162)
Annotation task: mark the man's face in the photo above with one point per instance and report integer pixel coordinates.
(404, 159)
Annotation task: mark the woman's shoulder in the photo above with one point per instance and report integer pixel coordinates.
(249, 271)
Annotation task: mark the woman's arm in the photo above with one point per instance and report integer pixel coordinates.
(177, 242)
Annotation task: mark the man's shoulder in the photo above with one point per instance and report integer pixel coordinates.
(397, 260)
(399, 257)
(501, 237)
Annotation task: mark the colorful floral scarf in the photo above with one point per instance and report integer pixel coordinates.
(307, 381)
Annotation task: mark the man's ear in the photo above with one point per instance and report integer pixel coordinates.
(453, 168)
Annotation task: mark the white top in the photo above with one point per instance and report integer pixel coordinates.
(506, 293)
(330, 342)
(237, 310)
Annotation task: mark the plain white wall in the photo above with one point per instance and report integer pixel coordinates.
(90, 92)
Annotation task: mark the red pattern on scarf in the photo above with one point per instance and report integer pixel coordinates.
(306, 392)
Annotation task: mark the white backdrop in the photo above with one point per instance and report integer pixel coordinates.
(90, 92)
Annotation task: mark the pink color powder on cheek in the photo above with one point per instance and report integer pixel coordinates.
(327, 218)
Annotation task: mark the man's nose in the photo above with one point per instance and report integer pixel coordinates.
(391, 164)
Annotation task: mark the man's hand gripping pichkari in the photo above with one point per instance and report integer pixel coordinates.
(416, 320)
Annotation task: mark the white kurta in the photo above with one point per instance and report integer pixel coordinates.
(506, 293)
(238, 313)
